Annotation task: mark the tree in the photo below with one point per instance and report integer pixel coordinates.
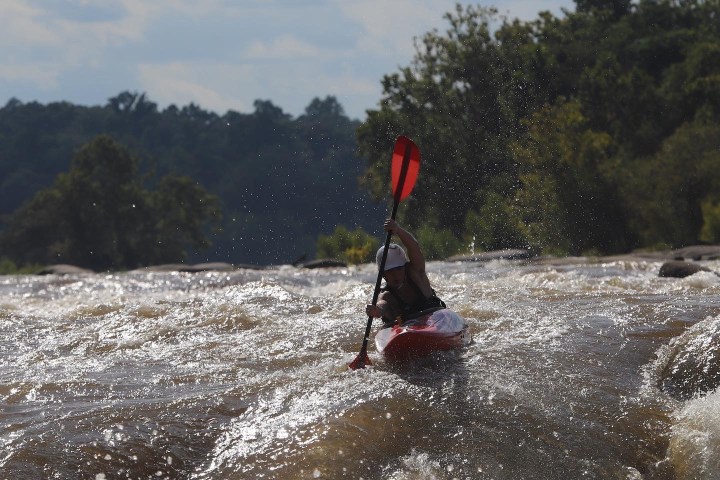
(568, 201)
(493, 224)
(349, 246)
(104, 203)
(187, 211)
(296, 178)
(670, 195)
(327, 108)
(617, 7)
(551, 126)
(98, 215)
(131, 103)
(460, 102)
(710, 232)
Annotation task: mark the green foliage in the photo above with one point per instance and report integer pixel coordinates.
(437, 243)
(461, 131)
(8, 267)
(595, 131)
(711, 222)
(494, 225)
(186, 209)
(352, 247)
(667, 205)
(567, 192)
(278, 179)
(589, 132)
(98, 215)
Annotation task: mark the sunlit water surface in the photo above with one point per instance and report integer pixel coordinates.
(244, 375)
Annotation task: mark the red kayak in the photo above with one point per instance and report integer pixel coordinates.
(431, 332)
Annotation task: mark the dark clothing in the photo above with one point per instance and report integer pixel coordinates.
(409, 309)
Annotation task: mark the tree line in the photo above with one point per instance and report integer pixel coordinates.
(593, 132)
(596, 132)
(127, 184)
(99, 215)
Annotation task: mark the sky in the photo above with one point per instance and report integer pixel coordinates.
(219, 54)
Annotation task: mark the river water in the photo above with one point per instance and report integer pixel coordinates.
(589, 370)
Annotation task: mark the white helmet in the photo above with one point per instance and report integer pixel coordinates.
(396, 257)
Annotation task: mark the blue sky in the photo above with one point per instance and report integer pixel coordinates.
(219, 54)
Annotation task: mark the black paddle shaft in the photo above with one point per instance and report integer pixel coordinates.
(396, 203)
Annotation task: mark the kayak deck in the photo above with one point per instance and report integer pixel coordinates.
(432, 332)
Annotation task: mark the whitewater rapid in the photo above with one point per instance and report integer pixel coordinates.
(595, 369)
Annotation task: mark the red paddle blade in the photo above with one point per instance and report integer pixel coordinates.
(405, 149)
(360, 361)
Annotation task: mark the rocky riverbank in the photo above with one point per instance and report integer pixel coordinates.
(676, 263)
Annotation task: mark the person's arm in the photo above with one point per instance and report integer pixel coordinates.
(383, 308)
(415, 255)
(375, 311)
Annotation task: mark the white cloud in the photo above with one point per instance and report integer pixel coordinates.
(284, 47)
(33, 34)
(42, 75)
(21, 26)
(221, 87)
(207, 85)
(529, 9)
(390, 27)
(26, 23)
(220, 54)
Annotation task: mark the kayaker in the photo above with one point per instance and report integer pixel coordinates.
(407, 289)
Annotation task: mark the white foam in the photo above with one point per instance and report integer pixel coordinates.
(694, 448)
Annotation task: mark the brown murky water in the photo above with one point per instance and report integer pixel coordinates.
(599, 370)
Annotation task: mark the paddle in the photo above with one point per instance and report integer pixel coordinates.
(404, 172)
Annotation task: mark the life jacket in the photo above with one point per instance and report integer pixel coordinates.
(408, 309)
